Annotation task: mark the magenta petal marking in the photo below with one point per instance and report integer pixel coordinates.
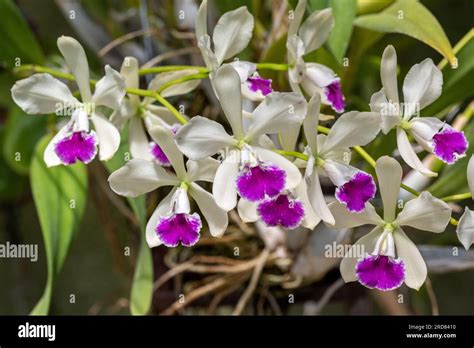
(77, 146)
(159, 155)
(282, 210)
(335, 97)
(254, 183)
(356, 192)
(257, 83)
(449, 145)
(178, 228)
(380, 272)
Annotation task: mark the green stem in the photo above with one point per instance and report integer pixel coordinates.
(365, 155)
(182, 79)
(461, 43)
(272, 66)
(167, 68)
(32, 68)
(293, 154)
(171, 108)
(458, 197)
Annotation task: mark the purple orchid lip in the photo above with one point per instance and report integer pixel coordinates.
(449, 145)
(335, 97)
(179, 228)
(79, 146)
(257, 83)
(356, 192)
(255, 183)
(282, 210)
(380, 272)
(159, 155)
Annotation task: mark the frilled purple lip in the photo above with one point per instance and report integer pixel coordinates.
(79, 146)
(255, 183)
(159, 155)
(449, 145)
(179, 228)
(380, 272)
(282, 210)
(356, 192)
(257, 83)
(335, 97)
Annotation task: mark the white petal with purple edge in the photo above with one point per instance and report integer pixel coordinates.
(216, 217)
(163, 209)
(415, 267)
(50, 157)
(365, 244)
(293, 175)
(425, 213)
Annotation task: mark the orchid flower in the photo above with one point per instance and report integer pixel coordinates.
(43, 94)
(313, 77)
(393, 257)
(330, 156)
(172, 222)
(421, 87)
(231, 35)
(249, 167)
(465, 227)
(143, 114)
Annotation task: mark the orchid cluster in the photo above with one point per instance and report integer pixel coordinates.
(253, 160)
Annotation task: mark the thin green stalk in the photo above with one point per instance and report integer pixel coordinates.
(181, 80)
(167, 68)
(458, 197)
(171, 108)
(272, 66)
(32, 68)
(293, 154)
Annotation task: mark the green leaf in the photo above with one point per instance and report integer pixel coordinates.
(411, 18)
(455, 82)
(22, 134)
(11, 186)
(142, 287)
(17, 39)
(60, 195)
(344, 12)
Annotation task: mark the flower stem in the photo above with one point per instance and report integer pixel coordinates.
(458, 197)
(272, 66)
(167, 68)
(293, 154)
(182, 79)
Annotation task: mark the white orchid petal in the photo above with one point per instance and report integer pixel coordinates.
(465, 228)
(129, 72)
(42, 94)
(201, 20)
(202, 170)
(421, 87)
(346, 219)
(380, 104)
(470, 174)
(163, 209)
(110, 89)
(138, 177)
(320, 75)
(277, 112)
(297, 71)
(76, 61)
(215, 216)
(293, 175)
(138, 140)
(295, 20)
(201, 138)
(389, 175)
(224, 188)
(425, 213)
(109, 136)
(316, 197)
(338, 172)
(424, 128)
(316, 29)
(50, 157)
(176, 89)
(311, 121)
(232, 33)
(409, 155)
(159, 114)
(248, 210)
(415, 267)
(366, 244)
(388, 73)
(353, 129)
(311, 218)
(164, 138)
(227, 87)
(210, 59)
